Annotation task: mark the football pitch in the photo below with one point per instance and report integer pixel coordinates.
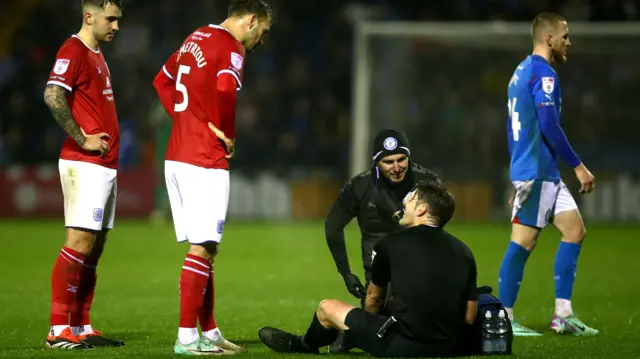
(276, 273)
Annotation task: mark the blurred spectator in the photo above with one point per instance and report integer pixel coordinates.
(294, 109)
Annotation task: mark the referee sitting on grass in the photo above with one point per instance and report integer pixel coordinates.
(433, 279)
(374, 197)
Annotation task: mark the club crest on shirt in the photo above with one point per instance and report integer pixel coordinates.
(97, 214)
(548, 84)
(61, 66)
(220, 226)
(236, 60)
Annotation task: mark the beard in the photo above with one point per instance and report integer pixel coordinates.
(559, 57)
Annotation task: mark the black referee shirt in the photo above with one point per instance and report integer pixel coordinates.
(432, 276)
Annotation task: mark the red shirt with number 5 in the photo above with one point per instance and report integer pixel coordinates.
(189, 91)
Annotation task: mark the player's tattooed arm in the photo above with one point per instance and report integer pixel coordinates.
(55, 97)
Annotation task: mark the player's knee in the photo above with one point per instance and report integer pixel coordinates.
(207, 250)
(525, 236)
(80, 240)
(324, 311)
(322, 306)
(327, 307)
(527, 243)
(576, 235)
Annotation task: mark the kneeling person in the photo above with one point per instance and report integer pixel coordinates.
(433, 278)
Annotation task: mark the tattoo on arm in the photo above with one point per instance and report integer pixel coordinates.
(56, 99)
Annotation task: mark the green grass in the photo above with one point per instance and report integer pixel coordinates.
(275, 274)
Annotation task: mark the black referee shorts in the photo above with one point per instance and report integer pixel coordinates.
(363, 327)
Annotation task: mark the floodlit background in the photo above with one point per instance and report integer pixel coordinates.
(306, 114)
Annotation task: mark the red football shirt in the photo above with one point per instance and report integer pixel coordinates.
(84, 73)
(206, 54)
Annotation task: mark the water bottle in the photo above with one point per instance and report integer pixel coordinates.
(488, 333)
(503, 337)
(496, 335)
(502, 325)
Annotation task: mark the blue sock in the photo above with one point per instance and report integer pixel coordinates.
(511, 272)
(565, 269)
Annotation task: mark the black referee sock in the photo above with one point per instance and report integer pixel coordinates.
(318, 336)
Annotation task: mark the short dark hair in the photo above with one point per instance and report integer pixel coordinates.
(248, 7)
(102, 3)
(440, 202)
(545, 20)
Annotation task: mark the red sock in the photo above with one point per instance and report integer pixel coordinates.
(206, 316)
(64, 285)
(193, 283)
(86, 288)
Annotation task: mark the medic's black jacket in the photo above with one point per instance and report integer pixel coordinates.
(356, 200)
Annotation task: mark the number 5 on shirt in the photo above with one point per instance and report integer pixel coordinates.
(179, 107)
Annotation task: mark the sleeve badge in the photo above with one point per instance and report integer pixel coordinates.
(61, 66)
(548, 83)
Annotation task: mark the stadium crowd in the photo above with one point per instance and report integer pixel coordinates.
(295, 107)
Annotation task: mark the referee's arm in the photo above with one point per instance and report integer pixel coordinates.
(472, 294)
(380, 278)
(343, 210)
